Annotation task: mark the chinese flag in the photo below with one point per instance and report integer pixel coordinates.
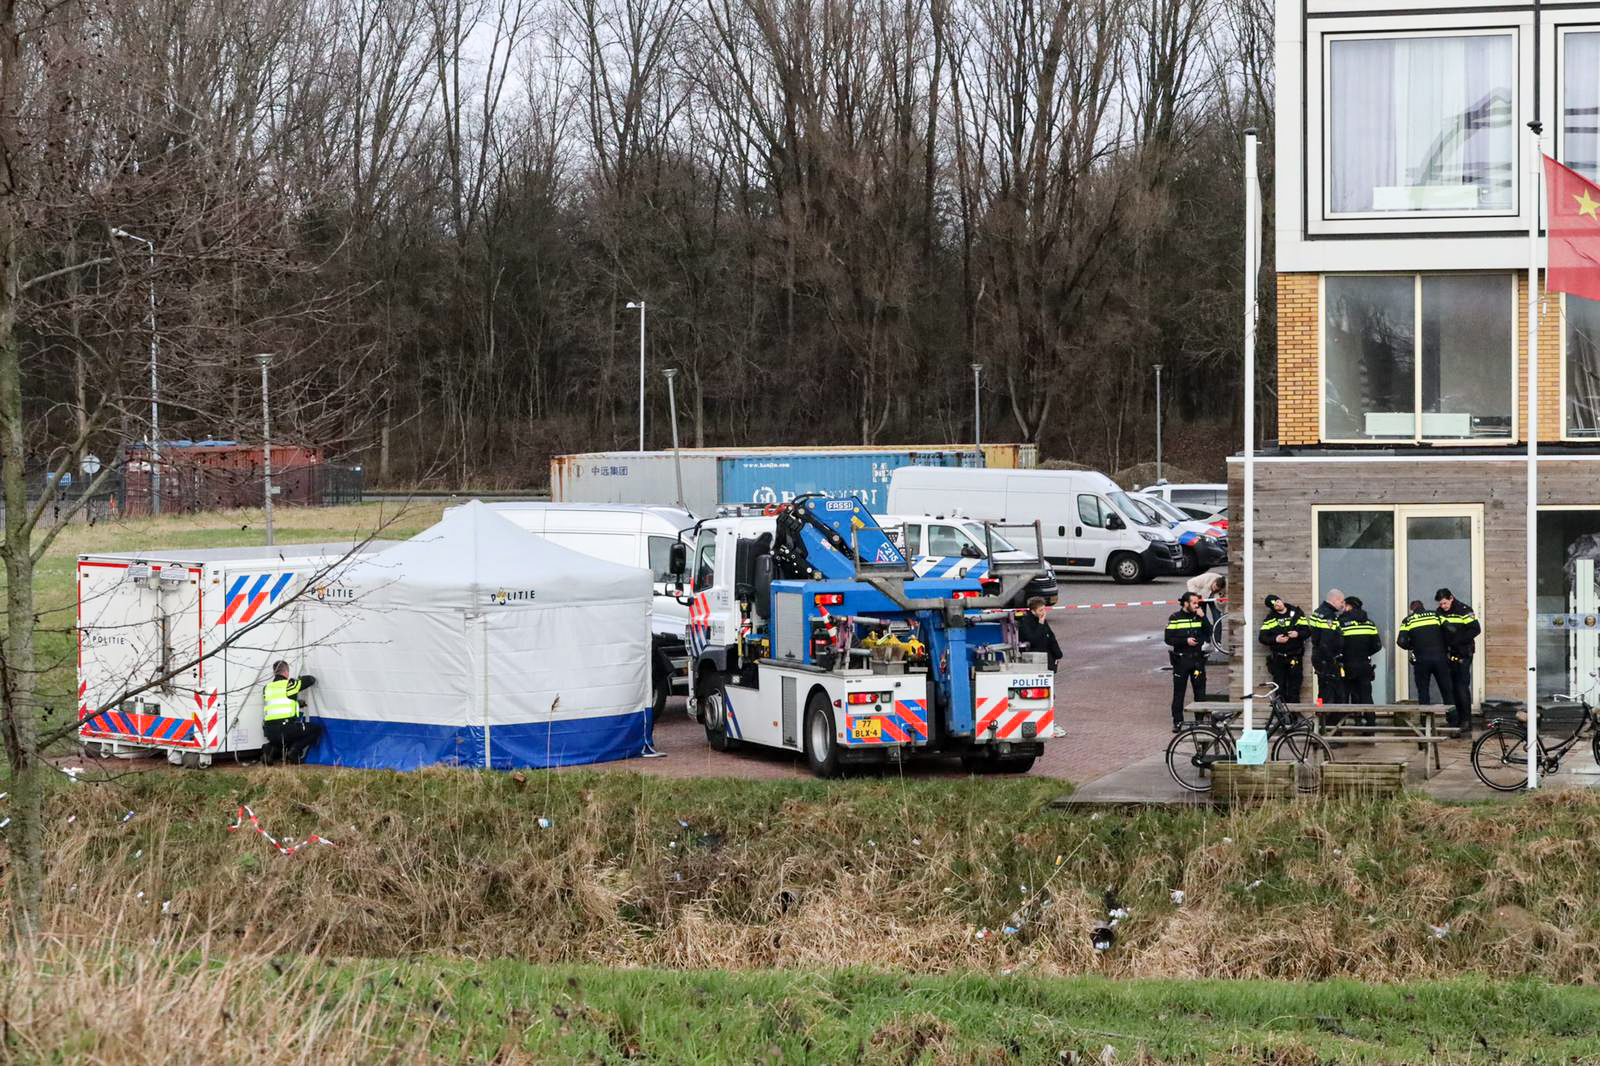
(1574, 228)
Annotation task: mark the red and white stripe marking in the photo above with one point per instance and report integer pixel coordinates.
(283, 848)
(997, 713)
(1129, 603)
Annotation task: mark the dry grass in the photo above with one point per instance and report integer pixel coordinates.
(803, 875)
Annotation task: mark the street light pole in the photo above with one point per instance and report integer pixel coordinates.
(155, 350)
(265, 359)
(672, 406)
(977, 412)
(638, 305)
(1158, 423)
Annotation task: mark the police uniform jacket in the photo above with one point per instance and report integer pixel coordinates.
(1181, 625)
(1359, 638)
(1276, 625)
(1327, 637)
(1461, 630)
(1422, 634)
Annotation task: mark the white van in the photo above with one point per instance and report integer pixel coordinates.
(950, 546)
(1090, 525)
(632, 535)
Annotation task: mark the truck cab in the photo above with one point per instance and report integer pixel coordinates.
(809, 632)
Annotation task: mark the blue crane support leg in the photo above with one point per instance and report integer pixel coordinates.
(959, 708)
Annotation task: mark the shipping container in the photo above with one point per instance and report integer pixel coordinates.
(716, 476)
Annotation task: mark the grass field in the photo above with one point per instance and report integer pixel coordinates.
(712, 921)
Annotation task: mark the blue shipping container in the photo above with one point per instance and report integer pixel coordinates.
(865, 475)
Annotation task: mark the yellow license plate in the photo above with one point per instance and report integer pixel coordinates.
(866, 729)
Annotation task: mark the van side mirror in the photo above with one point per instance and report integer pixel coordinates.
(971, 551)
(678, 558)
(1114, 521)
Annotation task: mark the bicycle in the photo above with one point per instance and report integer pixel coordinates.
(1218, 639)
(1500, 755)
(1198, 746)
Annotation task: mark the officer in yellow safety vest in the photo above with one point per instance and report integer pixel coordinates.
(289, 734)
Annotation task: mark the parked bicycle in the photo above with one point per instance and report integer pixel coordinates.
(1199, 746)
(1219, 642)
(1500, 756)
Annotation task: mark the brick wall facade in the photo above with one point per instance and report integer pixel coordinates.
(1300, 374)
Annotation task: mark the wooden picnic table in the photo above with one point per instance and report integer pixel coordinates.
(1414, 723)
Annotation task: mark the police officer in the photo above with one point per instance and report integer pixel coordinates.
(1461, 631)
(1283, 634)
(1360, 641)
(1034, 632)
(289, 734)
(1422, 634)
(1327, 646)
(1185, 637)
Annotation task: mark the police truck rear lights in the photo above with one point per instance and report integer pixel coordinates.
(829, 599)
(868, 697)
(1030, 693)
(964, 594)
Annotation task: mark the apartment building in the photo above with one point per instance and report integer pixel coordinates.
(1403, 195)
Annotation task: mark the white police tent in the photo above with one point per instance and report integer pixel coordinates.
(479, 644)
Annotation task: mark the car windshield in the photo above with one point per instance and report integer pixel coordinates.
(1165, 509)
(975, 531)
(1132, 511)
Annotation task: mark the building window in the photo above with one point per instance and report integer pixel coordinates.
(1568, 582)
(1421, 124)
(1582, 358)
(1419, 357)
(1355, 553)
(1580, 102)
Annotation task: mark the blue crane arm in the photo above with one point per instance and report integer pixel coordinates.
(819, 537)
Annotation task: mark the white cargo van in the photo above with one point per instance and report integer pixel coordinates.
(639, 535)
(1090, 525)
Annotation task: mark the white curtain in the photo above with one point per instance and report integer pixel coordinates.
(1420, 123)
(1580, 103)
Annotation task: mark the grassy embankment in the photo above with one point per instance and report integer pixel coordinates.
(444, 880)
(788, 921)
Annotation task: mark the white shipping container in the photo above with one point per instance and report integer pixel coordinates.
(142, 615)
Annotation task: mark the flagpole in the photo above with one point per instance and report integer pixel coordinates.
(1252, 271)
(1533, 460)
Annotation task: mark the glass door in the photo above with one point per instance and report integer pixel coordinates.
(1439, 548)
(1389, 556)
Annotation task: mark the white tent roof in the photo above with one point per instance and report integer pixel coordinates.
(475, 558)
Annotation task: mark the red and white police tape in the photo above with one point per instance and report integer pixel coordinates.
(1130, 603)
(283, 848)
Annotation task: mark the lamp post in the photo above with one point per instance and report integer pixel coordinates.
(672, 406)
(977, 412)
(265, 360)
(155, 349)
(638, 305)
(1158, 423)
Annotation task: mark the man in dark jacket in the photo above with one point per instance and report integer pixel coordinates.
(1185, 638)
(1283, 634)
(1422, 634)
(1034, 632)
(1360, 640)
(1461, 631)
(1326, 647)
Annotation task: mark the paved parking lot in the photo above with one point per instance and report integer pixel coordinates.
(1112, 692)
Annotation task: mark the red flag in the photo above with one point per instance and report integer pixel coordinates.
(1574, 228)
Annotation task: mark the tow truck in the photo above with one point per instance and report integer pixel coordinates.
(809, 631)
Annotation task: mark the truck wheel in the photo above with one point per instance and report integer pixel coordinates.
(1126, 568)
(822, 742)
(661, 692)
(1015, 764)
(714, 714)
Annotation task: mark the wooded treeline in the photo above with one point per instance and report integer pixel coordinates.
(435, 212)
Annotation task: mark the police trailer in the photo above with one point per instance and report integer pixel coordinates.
(152, 623)
(809, 631)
